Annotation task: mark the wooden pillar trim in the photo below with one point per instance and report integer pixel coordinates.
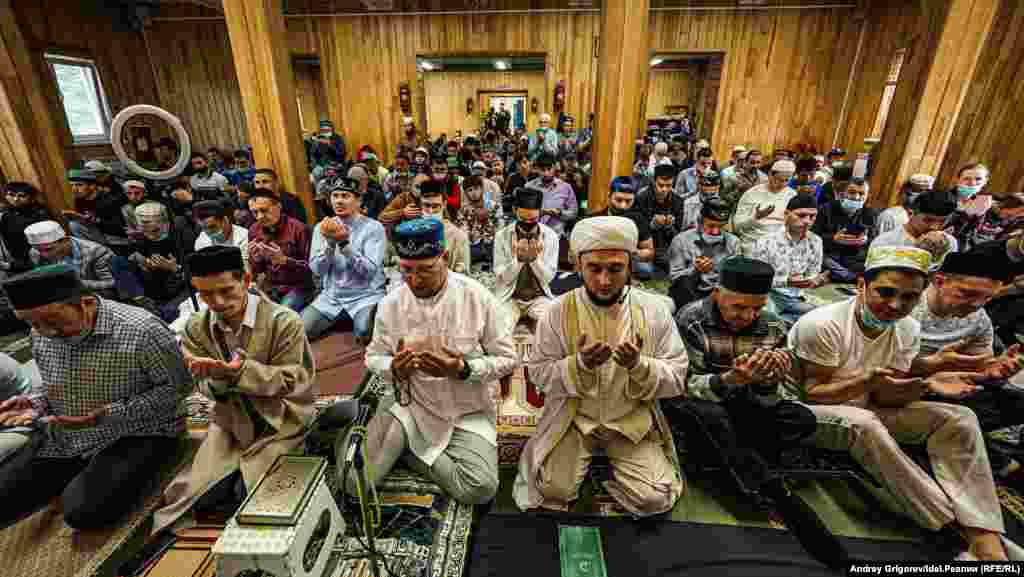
(622, 72)
(259, 45)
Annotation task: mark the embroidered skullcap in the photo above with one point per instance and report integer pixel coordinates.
(604, 233)
(747, 276)
(55, 283)
(837, 152)
(802, 201)
(710, 178)
(529, 198)
(79, 175)
(715, 209)
(784, 166)
(419, 238)
(44, 232)
(923, 180)
(215, 259)
(664, 171)
(904, 257)
(97, 166)
(150, 212)
(345, 183)
(623, 184)
(135, 183)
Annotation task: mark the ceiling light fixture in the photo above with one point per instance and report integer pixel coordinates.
(501, 65)
(656, 61)
(425, 65)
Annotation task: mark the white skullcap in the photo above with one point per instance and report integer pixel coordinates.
(358, 172)
(406, 120)
(739, 148)
(604, 233)
(784, 166)
(907, 257)
(665, 160)
(150, 211)
(819, 157)
(923, 180)
(545, 117)
(661, 147)
(703, 144)
(479, 164)
(44, 232)
(136, 183)
(97, 166)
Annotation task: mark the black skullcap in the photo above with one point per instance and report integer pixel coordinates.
(544, 161)
(802, 201)
(664, 171)
(45, 285)
(746, 275)
(715, 209)
(431, 188)
(343, 183)
(987, 260)
(264, 193)
(207, 208)
(710, 178)
(215, 259)
(842, 172)
(806, 164)
(529, 198)
(934, 203)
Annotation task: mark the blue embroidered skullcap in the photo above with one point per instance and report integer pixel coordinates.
(419, 238)
(623, 184)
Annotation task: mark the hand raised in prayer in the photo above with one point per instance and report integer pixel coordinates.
(1005, 366)
(445, 363)
(798, 281)
(764, 212)
(953, 385)
(204, 367)
(820, 279)
(951, 358)
(889, 389)
(627, 353)
(747, 369)
(704, 264)
(593, 354)
(182, 195)
(80, 422)
(411, 211)
(277, 256)
(527, 249)
(403, 362)
(17, 411)
(168, 264)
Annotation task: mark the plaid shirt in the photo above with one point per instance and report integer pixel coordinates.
(130, 363)
(477, 231)
(90, 259)
(712, 346)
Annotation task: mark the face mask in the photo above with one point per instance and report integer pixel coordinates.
(851, 206)
(871, 322)
(964, 192)
(713, 238)
(615, 211)
(548, 179)
(436, 217)
(216, 237)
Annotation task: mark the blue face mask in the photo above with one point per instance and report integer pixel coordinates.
(713, 238)
(873, 323)
(964, 192)
(216, 237)
(851, 206)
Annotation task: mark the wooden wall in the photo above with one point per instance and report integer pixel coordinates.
(784, 75)
(309, 88)
(73, 29)
(364, 59)
(197, 81)
(989, 127)
(446, 94)
(671, 88)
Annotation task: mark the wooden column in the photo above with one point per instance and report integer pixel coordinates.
(966, 28)
(621, 79)
(31, 147)
(259, 43)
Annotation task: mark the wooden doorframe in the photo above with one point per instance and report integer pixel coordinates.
(706, 56)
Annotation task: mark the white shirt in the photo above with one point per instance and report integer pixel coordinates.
(830, 336)
(239, 238)
(744, 223)
(892, 218)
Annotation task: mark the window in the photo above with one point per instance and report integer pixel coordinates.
(889, 93)
(81, 93)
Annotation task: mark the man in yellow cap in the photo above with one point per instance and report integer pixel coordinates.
(605, 354)
(855, 364)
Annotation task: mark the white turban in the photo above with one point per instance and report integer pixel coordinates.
(604, 233)
(136, 183)
(661, 147)
(922, 180)
(43, 232)
(784, 166)
(150, 212)
(545, 117)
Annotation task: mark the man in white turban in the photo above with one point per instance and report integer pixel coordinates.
(762, 209)
(604, 354)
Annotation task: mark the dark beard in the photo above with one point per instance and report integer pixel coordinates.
(602, 302)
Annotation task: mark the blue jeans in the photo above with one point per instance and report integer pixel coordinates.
(294, 299)
(790, 308)
(317, 324)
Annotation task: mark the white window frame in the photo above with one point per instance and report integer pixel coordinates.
(101, 97)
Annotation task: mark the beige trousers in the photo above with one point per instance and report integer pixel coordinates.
(516, 309)
(962, 490)
(644, 481)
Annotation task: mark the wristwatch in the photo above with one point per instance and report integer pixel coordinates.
(466, 372)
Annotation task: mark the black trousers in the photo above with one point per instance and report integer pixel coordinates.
(96, 492)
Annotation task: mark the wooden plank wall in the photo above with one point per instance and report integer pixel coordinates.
(73, 29)
(784, 74)
(364, 59)
(309, 87)
(198, 83)
(989, 127)
(670, 88)
(446, 94)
